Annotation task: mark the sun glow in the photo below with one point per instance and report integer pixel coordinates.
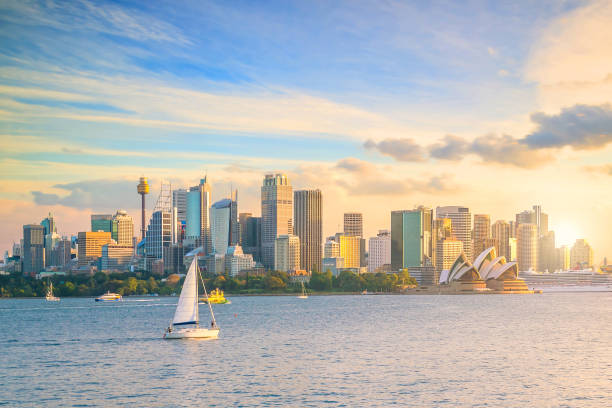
(566, 233)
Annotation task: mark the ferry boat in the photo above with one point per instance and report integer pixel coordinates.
(571, 280)
(109, 297)
(216, 296)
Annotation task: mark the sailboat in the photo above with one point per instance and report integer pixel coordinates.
(50, 297)
(186, 321)
(303, 295)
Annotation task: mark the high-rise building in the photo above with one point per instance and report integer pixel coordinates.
(250, 235)
(90, 245)
(179, 201)
(49, 225)
(276, 214)
(527, 246)
(33, 249)
(411, 238)
(287, 253)
(242, 220)
(547, 252)
(581, 255)
(199, 201)
(61, 256)
(234, 238)
(563, 258)
(101, 222)
(331, 249)
(220, 225)
(159, 234)
(236, 260)
(379, 250)
(125, 228)
(350, 250)
(500, 231)
(116, 257)
(308, 226)
(513, 249)
(536, 217)
(482, 232)
(353, 224)
(50, 241)
(461, 220)
(447, 252)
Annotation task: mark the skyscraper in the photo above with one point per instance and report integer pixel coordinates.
(353, 224)
(536, 217)
(90, 245)
(308, 222)
(159, 234)
(49, 225)
(33, 249)
(234, 238)
(379, 250)
(500, 231)
(447, 251)
(581, 254)
(220, 225)
(527, 246)
(199, 201)
(250, 235)
(350, 251)
(547, 253)
(179, 201)
(125, 228)
(101, 222)
(276, 213)
(287, 253)
(411, 238)
(242, 220)
(332, 249)
(482, 232)
(461, 220)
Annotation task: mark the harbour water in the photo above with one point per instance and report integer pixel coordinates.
(508, 350)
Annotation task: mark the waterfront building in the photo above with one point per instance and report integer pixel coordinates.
(90, 246)
(197, 228)
(33, 249)
(308, 226)
(487, 271)
(563, 258)
(411, 238)
(276, 214)
(237, 261)
(461, 220)
(350, 251)
(547, 253)
(116, 257)
(527, 246)
(159, 234)
(482, 232)
(500, 231)
(124, 227)
(581, 255)
(331, 248)
(379, 250)
(287, 253)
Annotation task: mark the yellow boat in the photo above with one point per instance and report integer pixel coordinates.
(216, 297)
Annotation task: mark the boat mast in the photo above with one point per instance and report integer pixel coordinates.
(197, 309)
(207, 299)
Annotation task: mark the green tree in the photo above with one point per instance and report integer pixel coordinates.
(274, 283)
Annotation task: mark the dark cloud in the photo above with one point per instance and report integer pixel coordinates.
(404, 149)
(505, 149)
(99, 194)
(580, 126)
(450, 148)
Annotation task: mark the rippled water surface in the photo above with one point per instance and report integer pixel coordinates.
(540, 350)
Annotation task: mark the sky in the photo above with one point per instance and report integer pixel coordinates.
(383, 105)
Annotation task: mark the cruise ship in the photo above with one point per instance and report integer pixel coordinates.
(571, 280)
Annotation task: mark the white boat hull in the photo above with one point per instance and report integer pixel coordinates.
(302, 297)
(52, 299)
(192, 333)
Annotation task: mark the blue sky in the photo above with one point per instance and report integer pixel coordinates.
(112, 90)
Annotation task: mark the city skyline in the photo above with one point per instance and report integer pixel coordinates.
(424, 110)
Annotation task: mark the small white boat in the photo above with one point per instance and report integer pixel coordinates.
(109, 297)
(303, 295)
(50, 297)
(186, 321)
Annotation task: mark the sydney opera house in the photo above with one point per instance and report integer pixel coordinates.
(487, 273)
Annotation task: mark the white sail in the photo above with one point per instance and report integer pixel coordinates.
(187, 309)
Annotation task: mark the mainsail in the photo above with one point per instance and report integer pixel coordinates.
(187, 309)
